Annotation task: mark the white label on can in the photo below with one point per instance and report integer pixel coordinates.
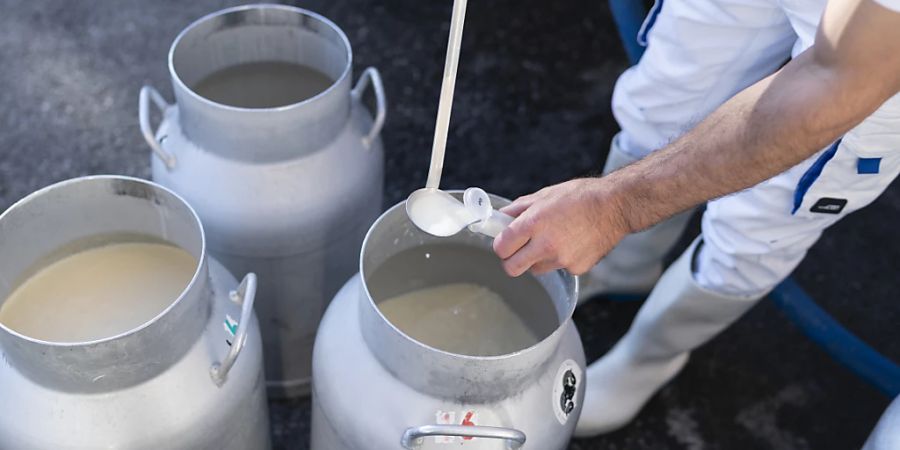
(566, 384)
(445, 418)
(466, 418)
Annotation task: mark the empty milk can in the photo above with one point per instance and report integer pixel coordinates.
(287, 175)
(189, 377)
(376, 387)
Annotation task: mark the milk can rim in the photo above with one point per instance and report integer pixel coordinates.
(89, 178)
(558, 331)
(343, 36)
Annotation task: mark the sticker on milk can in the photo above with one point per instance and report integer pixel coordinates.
(445, 418)
(465, 418)
(565, 390)
(230, 325)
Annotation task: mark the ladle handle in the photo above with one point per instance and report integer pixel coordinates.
(148, 93)
(412, 437)
(373, 77)
(445, 104)
(493, 225)
(244, 295)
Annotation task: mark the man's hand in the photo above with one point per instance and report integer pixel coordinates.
(567, 226)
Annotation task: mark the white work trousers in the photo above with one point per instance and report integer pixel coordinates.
(699, 54)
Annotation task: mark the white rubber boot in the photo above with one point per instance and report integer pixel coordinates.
(677, 317)
(887, 433)
(634, 266)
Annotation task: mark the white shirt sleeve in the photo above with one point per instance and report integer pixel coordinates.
(890, 4)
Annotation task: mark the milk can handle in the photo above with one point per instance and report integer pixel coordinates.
(412, 436)
(371, 74)
(149, 93)
(244, 295)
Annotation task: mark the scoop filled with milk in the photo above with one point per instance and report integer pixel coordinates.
(439, 213)
(431, 209)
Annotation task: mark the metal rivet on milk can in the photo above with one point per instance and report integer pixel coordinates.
(286, 185)
(181, 380)
(374, 386)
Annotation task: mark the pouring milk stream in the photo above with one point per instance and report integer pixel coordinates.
(432, 210)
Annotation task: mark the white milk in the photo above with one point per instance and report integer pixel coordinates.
(438, 213)
(462, 318)
(263, 84)
(99, 293)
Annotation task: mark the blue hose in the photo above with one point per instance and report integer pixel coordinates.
(841, 344)
(629, 15)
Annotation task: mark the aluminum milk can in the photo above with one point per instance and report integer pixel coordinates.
(377, 388)
(181, 380)
(287, 192)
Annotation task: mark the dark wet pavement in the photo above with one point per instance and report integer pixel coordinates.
(532, 108)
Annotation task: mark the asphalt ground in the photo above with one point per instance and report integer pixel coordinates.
(532, 109)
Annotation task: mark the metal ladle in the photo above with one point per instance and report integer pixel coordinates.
(430, 209)
(440, 214)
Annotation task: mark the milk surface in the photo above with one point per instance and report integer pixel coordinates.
(462, 318)
(458, 298)
(99, 292)
(265, 84)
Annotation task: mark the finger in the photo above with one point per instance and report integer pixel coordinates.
(513, 238)
(544, 267)
(519, 206)
(524, 259)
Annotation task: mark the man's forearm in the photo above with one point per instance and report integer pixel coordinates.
(761, 132)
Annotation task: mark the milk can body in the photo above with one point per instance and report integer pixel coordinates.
(178, 381)
(287, 192)
(375, 387)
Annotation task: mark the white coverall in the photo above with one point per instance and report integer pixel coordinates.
(700, 53)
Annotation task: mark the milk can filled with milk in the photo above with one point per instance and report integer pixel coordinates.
(274, 146)
(433, 344)
(117, 330)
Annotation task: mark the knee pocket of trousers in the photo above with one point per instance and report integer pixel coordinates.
(861, 168)
(743, 274)
(754, 240)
